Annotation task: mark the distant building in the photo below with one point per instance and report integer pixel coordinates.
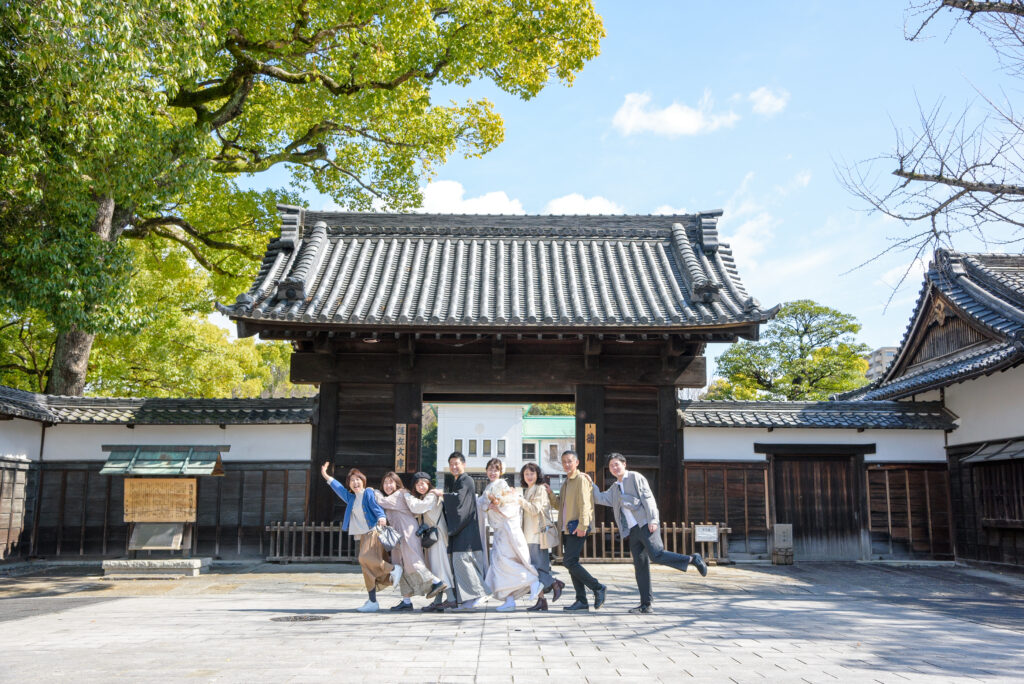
(485, 431)
(544, 440)
(879, 360)
(481, 432)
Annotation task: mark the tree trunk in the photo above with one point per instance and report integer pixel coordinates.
(71, 352)
(70, 363)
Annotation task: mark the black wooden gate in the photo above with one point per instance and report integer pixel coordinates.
(819, 494)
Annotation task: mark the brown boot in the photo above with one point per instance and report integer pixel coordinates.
(541, 604)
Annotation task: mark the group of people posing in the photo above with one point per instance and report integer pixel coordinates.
(442, 551)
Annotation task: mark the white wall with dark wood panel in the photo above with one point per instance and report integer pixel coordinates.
(737, 444)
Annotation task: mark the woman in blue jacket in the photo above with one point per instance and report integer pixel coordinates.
(363, 515)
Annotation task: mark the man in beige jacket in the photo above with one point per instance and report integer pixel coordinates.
(576, 509)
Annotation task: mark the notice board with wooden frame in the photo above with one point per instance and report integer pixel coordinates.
(160, 499)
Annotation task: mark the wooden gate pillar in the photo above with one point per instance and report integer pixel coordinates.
(320, 500)
(590, 411)
(670, 457)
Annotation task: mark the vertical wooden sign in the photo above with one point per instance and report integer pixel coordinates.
(590, 450)
(413, 454)
(400, 447)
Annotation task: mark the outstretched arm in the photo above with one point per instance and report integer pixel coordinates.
(338, 488)
(603, 498)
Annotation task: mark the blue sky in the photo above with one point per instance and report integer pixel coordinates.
(745, 107)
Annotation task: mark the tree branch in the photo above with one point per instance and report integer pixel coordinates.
(968, 186)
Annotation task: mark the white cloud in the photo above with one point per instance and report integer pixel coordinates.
(768, 102)
(636, 116)
(750, 239)
(668, 210)
(802, 179)
(911, 274)
(448, 197)
(576, 203)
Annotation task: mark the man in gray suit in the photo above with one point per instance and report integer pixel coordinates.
(636, 514)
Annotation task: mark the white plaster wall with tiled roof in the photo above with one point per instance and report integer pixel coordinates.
(263, 443)
(737, 444)
(19, 438)
(990, 407)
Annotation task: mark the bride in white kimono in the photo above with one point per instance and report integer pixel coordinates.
(510, 574)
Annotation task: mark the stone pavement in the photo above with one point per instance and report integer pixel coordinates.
(803, 623)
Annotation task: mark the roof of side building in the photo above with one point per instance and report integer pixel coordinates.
(154, 411)
(982, 296)
(862, 415)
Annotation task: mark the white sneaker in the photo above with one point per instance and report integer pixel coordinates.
(535, 590)
(508, 606)
(369, 607)
(467, 605)
(396, 575)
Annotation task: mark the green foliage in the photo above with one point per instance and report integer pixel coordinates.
(552, 410)
(808, 352)
(172, 349)
(151, 108)
(428, 449)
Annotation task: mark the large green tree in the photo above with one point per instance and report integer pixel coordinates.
(807, 352)
(135, 119)
(170, 349)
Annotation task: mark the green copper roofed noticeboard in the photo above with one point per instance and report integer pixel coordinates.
(159, 460)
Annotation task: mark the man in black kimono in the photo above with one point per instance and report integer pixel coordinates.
(464, 542)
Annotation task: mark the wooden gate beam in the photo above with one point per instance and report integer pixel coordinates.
(524, 370)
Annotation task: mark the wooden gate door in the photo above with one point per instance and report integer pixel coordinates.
(819, 495)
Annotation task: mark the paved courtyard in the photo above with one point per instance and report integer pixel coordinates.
(804, 623)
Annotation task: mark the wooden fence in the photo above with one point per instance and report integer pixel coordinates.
(326, 542)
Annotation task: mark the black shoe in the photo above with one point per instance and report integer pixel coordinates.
(556, 590)
(436, 588)
(641, 610)
(541, 604)
(698, 562)
(402, 606)
(432, 608)
(578, 605)
(599, 596)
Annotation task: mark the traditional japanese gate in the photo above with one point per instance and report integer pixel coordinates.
(387, 310)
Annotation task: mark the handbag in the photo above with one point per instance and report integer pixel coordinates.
(389, 537)
(428, 534)
(549, 534)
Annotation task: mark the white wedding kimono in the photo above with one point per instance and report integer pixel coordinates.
(509, 572)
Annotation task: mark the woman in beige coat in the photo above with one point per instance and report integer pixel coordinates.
(416, 577)
(541, 532)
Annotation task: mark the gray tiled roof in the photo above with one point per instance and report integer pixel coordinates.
(985, 289)
(21, 404)
(868, 415)
(416, 271)
(85, 410)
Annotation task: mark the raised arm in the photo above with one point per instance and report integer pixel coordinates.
(340, 490)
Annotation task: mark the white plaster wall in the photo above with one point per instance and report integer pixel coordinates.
(247, 442)
(20, 437)
(737, 444)
(989, 407)
(480, 422)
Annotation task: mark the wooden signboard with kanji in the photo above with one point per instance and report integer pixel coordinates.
(160, 499)
(401, 444)
(590, 452)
